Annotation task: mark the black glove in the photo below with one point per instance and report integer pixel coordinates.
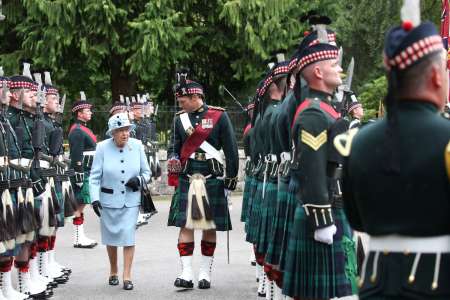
(133, 183)
(96, 205)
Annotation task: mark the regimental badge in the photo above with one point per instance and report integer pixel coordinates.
(207, 123)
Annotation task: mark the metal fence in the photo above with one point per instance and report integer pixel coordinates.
(164, 123)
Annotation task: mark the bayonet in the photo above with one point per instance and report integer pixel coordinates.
(348, 80)
(340, 56)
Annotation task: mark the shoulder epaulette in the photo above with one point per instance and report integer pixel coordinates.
(180, 112)
(216, 107)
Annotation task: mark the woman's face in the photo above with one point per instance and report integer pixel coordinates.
(121, 136)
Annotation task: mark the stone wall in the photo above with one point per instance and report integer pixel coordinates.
(160, 186)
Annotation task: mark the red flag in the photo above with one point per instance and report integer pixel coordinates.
(445, 22)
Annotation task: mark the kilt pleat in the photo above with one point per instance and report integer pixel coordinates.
(245, 198)
(254, 214)
(268, 203)
(216, 196)
(291, 204)
(315, 270)
(278, 224)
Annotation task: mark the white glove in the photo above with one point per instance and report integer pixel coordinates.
(228, 197)
(325, 235)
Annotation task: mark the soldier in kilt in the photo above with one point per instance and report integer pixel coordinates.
(320, 258)
(82, 143)
(28, 196)
(52, 150)
(200, 132)
(400, 195)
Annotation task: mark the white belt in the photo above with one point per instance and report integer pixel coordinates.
(44, 164)
(3, 161)
(23, 162)
(403, 244)
(207, 156)
(285, 156)
(87, 153)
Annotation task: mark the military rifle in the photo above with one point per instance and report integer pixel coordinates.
(38, 134)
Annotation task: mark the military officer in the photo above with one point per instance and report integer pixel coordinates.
(320, 246)
(399, 195)
(82, 143)
(200, 132)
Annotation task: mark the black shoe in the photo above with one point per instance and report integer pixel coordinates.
(61, 279)
(262, 295)
(127, 285)
(204, 284)
(90, 246)
(181, 283)
(253, 263)
(52, 285)
(113, 280)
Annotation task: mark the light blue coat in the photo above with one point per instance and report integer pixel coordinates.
(112, 168)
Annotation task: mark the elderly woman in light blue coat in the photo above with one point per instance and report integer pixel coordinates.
(119, 169)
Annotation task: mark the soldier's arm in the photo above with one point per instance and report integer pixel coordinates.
(312, 139)
(76, 145)
(230, 149)
(282, 131)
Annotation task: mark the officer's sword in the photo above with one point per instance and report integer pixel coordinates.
(234, 98)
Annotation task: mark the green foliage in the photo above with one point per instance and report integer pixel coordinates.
(112, 47)
(372, 96)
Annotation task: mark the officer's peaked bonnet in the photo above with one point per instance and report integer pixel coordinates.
(81, 104)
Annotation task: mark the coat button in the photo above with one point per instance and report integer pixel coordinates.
(120, 150)
(122, 181)
(123, 171)
(121, 160)
(123, 192)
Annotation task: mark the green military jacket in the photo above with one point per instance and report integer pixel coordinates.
(81, 139)
(313, 124)
(221, 137)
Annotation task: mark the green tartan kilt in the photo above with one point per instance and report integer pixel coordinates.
(59, 195)
(245, 197)
(254, 214)
(82, 194)
(268, 205)
(216, 197)
(316, 270)
(278, 224)
(287, 223)
(251, 196)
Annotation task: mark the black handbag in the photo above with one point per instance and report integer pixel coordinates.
(147, 205)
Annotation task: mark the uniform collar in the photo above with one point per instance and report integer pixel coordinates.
(81, 122)
(201, 109)
(324, 96)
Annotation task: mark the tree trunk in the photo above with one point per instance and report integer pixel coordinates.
(122, 83)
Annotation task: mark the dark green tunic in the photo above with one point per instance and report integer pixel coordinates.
(413, 202)
(81, 139)
(221, 137)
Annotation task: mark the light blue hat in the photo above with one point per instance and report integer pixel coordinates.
(117, 121)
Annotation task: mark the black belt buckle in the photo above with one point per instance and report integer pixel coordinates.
(201, 156)
(106, 190)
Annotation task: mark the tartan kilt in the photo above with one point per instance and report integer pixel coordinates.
(278, 224)
(268, 205)
(287, 223)
(254, 214)
(216, 196)
(245, 197)
(316, 270)
(82, 194)
(251, 196)
(59, 195)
